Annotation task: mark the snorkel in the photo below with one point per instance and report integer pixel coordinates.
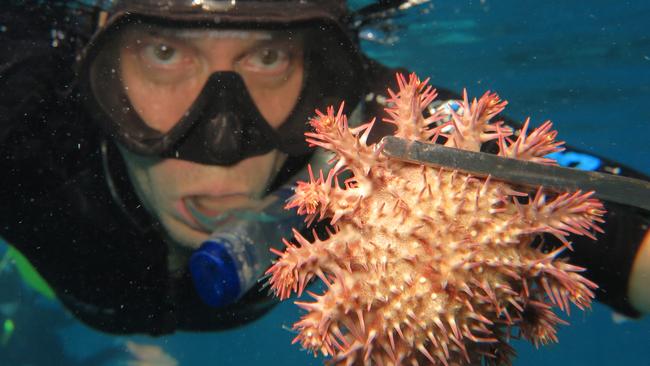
(239, 250)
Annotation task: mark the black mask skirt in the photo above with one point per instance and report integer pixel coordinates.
(223, 125)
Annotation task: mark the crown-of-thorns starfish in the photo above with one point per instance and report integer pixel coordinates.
(426, 265)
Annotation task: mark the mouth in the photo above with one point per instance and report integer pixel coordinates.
(206, 212)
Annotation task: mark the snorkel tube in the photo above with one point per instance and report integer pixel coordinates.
(238, 252)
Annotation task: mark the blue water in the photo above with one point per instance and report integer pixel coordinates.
(583, 64)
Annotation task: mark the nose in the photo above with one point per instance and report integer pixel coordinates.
(221, 54)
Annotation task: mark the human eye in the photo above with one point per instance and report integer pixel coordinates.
(163, 54)
(163, 59)
(269, 60)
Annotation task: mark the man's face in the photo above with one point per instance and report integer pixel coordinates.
(163, 73)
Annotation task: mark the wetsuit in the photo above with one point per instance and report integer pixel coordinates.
(67, 204)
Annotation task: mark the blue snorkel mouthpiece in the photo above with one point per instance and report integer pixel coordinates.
(215, 273)
(235, 256)
(237, 253)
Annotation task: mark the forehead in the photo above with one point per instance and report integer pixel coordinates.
(221, 33)
(197, 33)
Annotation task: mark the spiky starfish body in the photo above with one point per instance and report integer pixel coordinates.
(425, 265)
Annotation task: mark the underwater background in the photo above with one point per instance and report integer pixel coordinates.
(585, 65)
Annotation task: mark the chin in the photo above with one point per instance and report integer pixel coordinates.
(184, 236)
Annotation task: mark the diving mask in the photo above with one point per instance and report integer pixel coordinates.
(161, 89)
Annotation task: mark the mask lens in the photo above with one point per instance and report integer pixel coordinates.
(160, 73)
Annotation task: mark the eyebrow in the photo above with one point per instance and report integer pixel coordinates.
(214, 33)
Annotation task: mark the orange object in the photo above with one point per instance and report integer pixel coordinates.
(427, 265)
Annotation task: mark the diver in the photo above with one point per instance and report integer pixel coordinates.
(130, 130)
